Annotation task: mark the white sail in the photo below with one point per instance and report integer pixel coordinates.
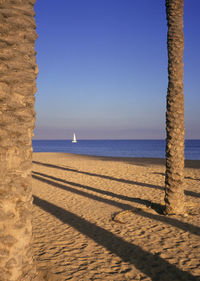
(74, 139)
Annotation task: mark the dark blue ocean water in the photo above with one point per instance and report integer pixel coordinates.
(116, 148)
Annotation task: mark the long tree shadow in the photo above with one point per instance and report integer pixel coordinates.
(83, 193)
(152, 265)
(192, 193)
(187, 192)
(100, 176)
(190, 178)
(167, 220)
(104, 192)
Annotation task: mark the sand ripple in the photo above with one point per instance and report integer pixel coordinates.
(98, 219)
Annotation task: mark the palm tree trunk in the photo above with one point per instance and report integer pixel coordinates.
(174, 180)
(17, 118)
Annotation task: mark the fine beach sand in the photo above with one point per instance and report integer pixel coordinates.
(98, 218)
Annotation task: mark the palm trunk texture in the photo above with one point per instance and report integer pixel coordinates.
(174, 180)
(18, 71)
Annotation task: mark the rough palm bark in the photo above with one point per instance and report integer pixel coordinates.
(18, 72)
(174, 180)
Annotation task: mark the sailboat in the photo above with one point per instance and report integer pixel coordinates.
(74, 139)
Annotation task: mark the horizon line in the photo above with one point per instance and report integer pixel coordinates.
(111, 139)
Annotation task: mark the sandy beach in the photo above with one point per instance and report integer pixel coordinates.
(99, 218)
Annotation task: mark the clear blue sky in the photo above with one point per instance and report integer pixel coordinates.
(103, 69)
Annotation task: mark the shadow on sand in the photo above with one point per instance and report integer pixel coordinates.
(157, 207)
(187, 192)
(100, 176)
(150, 264)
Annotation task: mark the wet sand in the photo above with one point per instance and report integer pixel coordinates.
(98, 218)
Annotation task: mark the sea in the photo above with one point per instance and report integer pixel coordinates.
(116, 148)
